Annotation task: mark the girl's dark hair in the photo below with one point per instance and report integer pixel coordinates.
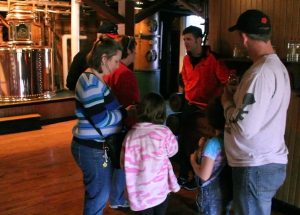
(152, 109)
(104, 46)
(127, 42)
(215, 113)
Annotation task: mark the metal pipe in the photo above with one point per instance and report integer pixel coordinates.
(65, 59)
(54, 11)
(75, 27)
(48, 3)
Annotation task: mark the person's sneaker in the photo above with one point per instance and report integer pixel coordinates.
(125, 205)
(181, 181)
(190, 185)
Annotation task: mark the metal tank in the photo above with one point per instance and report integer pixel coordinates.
(26, 73)
(146, 64)
(26, 70)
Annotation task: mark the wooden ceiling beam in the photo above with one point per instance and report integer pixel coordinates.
(105, 12)
(144, 13)
(192, 8)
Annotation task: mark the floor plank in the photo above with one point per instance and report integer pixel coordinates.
(39, 176)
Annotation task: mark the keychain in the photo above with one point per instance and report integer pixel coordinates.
(105, 157)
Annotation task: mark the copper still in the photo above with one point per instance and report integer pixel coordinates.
(26, 70)
(148, 42)
(20, 18)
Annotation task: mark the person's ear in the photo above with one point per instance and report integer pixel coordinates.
(199, 40)
(103, 59)
(244, 38)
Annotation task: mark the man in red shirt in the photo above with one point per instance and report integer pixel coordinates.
(202, 77)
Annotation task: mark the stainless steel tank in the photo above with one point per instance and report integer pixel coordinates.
(26, 73)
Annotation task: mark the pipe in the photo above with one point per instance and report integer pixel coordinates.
(65, 59)
(75, 28)
(48, 3)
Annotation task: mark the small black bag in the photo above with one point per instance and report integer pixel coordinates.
(114, 144)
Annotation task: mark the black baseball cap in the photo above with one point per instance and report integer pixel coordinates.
(252, 22)
(108, 28)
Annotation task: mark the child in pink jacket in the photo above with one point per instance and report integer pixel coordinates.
(146, 152)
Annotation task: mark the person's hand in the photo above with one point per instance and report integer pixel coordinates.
(131, 110)
(231, 88)
(193, 157)
(232, 83)
(226, 97)
(201, 143)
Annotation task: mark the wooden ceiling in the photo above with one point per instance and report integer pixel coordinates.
(108, 9)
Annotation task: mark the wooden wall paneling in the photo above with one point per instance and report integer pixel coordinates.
(288, 20)
(283, 191)
(294, 15)
(253, 4)
(285, 25)
(297, 20)
(295, 196)
(298, 25)
(287, 191)
(214, 24)
(243, 6)
(258, 3)
(267, 7)
(226, 19)
(297, 192)
(277, 23)
(292, 159)
(235, 12)
(248, 4)
(296, 160)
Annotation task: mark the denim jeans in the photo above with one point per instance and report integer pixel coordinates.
(117, 194)
(254, 188)
(211, 199)
(96, 178)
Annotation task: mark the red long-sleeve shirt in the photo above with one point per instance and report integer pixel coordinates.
(124, 85)
(205, 80)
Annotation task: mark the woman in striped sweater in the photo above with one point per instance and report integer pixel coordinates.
(97, 109)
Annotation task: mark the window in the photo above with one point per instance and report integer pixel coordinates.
(196, 21)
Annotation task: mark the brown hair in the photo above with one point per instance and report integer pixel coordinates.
(152, 109)
(104, 46)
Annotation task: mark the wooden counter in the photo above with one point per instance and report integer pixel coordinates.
(61, 106)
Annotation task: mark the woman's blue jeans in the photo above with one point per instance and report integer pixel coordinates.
(254, 188)
(97, 179)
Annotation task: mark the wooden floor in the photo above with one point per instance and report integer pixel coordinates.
(38, 176)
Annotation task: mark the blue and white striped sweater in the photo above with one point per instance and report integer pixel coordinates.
(99, 104)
